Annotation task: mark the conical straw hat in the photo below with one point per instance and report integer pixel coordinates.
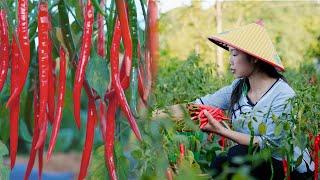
(252, 39)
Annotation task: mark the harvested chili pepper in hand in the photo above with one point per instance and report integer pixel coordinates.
(83, 60)
(197, 114)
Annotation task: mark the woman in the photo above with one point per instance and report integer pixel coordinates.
(259, 93)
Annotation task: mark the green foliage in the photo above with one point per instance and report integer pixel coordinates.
(4, 170)
(183, 81)
(98, 74)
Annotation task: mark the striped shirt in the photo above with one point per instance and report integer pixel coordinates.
(274, 103)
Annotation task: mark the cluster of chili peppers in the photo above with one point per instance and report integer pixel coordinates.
(45, 111)
(197, 114)
(139, 60)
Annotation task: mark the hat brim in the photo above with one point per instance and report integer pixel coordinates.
(225, 45)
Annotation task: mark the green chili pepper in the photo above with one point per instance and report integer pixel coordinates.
(134, 73)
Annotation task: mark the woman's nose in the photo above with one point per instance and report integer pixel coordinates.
(231, 60)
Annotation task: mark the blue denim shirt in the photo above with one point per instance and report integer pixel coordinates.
(274, 103)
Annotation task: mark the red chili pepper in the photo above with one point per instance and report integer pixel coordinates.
(151, 54)
(316, 157)
(4, 48)
(91, 120)
(43, 59)
(40, 153)
(109, 138)
(126, 36)
(182, 152)
(15, 109)
(101, 35)
(83, 60)
(61, 94)
(285, 168)
(222, 142)
(114, 52)
(35, 137)
(51, 71)
(24, 49)
(153, 35)
(125, 30)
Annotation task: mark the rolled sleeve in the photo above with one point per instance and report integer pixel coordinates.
(220, 98)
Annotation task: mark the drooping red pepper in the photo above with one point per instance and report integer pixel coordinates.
(182, 152)
(126, 36)
(24, 49)
(83, 60)
(109, 137)
(60, 104)
(4, 48)
(51, 72)
(101, 35)
(91, 120)
(43, 60)
(40, 152)
(285, 168)
(35, 137)
(114, 55)
(151, 52)
(153, 35)
(316, 156)
(15, 108)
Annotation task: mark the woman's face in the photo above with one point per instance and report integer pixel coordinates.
(240, 65)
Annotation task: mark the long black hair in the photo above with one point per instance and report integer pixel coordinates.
(244, 82)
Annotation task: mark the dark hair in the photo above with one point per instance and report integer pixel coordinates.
(238, 90)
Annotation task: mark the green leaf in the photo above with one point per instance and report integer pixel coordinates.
(262, 128)
(122, 162)
(4, 170)
(24, 132)
(98, 74)
(299, 160)
(98, 169)
(3, 149)
(137, 154)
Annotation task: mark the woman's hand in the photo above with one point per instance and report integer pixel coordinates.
(213, 125)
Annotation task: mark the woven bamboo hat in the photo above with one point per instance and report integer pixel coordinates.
(251, 39)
